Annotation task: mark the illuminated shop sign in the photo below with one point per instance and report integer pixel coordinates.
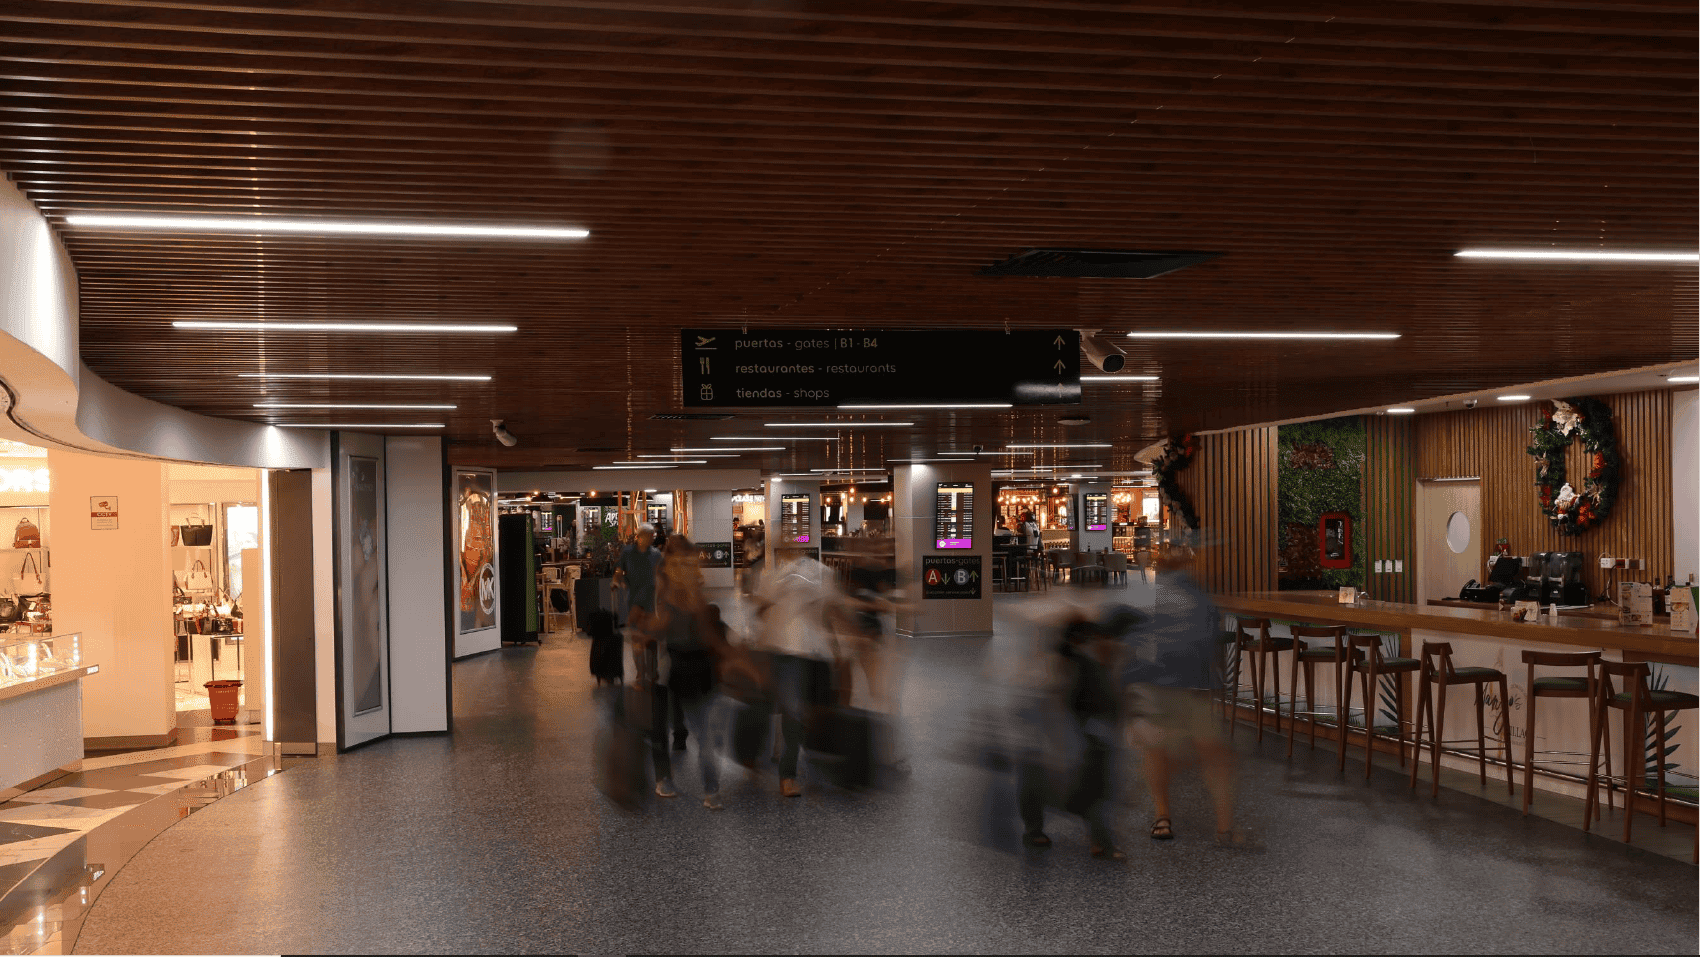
(23, 480)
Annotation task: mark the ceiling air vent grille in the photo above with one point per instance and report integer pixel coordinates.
(1095, 263)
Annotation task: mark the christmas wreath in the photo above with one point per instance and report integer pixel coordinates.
(1563, 420)
(1176, 457)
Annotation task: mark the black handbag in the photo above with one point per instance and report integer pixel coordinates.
(8, 610)
(196, 532)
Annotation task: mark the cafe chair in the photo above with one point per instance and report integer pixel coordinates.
(1638, 701)
(1436, 675)
(1016, 571)
(1584, 685)
(1115, 567)
(1062, 565)
(1305, 659)
(1253, 643)
(1367, 661)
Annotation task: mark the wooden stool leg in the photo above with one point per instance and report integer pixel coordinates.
(1233, 688)
(1342, 709)
(1481, 731)
(1310, 700)
(1591, 806)
(1259, 668)
(1275, 667)
(1632, 723)
(1399, 719)
(1439, 734)
(1422, 712)
(1529, 749)
(1293, 685)
(1605, 742)
(1369, 682)
(1505, 732)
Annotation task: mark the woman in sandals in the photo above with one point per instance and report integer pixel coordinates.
(1168, 675)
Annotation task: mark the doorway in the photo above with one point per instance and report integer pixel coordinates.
(1449, 539)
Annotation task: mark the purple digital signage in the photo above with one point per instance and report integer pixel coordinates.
(954, 515)
(1097, 511)
(794, 510)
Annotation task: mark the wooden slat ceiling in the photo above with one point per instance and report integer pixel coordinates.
(852, 163)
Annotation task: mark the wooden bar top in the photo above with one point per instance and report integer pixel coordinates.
(1324, 608)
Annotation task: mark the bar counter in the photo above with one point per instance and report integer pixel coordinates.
(1655, 643)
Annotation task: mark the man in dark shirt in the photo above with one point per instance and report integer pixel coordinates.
(635, 572)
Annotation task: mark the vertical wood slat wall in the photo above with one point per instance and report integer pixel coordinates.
(1491, 443)
(1389, 504)
(1232, 485)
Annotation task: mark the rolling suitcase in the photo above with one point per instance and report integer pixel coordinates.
(752, 725)
(840, 741)
(607, 659)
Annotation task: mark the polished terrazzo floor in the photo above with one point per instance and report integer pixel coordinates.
(495, 840)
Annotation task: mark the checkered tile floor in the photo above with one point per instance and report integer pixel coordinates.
(36, 824)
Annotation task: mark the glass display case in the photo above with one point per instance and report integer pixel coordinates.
(29, 659)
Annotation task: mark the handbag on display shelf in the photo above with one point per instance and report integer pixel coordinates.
(195, 532)
(176, 536)
(29, 580)
(28, 535)
(198, 579)
(8, 610)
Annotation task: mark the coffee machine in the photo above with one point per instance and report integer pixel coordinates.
(1561, 580)
(1502, 573)
(1530, 586)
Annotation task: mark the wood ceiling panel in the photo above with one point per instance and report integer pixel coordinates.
(853, 163)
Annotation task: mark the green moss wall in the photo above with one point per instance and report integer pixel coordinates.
(1320, 468)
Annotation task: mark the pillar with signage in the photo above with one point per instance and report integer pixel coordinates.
(793, 516)
(710, 512)
(942, 517)
(1094, 517)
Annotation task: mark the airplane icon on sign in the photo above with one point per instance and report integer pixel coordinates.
(703, 342)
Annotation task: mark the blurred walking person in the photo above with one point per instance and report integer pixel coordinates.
(1077, 769)
(795, 602)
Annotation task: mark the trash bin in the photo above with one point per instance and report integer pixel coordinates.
(225, 695)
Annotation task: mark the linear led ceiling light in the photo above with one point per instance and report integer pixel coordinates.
(1577, 255)
(835, 425)
(836, 471)
(1060, 445)
(231, 326)
(734, 448)
(773, 438)
(359, 425)
(1513, 398)
(1683, 378)
(932, 405)
(1261, 335)
(323, 227)
(1401, 410)
(709, 455)
(362, 376)
(668, 462)
(1100, 379)
(615, 468)
(343, 405)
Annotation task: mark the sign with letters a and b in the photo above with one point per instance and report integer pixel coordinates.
(103, 513)
(950, 576)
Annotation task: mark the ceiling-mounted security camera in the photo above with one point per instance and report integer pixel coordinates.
(1469, 403)
(503, 435)
(978, 449)
(1103, 353)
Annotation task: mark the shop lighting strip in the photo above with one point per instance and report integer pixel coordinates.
(358, 425)
(668, 462)
(344, 405)
(703, 455)
(235, 326)
(773, 438)
(736, 448)
(362, 376)
(1263, 335)
(615, 468)
(1575, 255)
(835, 425)
(932, 405)
(267, 224)
(1097, 379)
(1060, 445)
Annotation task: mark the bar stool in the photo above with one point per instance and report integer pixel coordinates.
(1305, 659)
(1368, 662)
(1585, 685)
(1264, 649)
(1637, 702)
(1439, 672)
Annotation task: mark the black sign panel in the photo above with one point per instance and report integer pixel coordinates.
(794, 510)
(714, 554)
(1097, 511)
(953, 522)
(815, 367)
(950, 576)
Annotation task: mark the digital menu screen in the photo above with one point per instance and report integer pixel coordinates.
(954, 516)
(1097, 509)
(794, 517)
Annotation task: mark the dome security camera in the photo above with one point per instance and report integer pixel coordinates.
(978, 449)
(503, 435)
(1469, 403)
(1103, 353)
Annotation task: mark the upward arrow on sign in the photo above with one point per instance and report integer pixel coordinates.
(1060, 367)
(1059, 342)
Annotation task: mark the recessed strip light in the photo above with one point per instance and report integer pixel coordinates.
(835, 425)
(836, 471)
(1683, 378)
(267, 224)
(1060, 445)
(362, 377)
(705, 455)
(735, 448)
(615, 468)
(1262, 335)
(1096, 379)
(932, 405)
(668, 462)
(773, 438)
(1577, 255)
(1513, 398)
(232, 326)
(1401, 410)
(343, 405)
(359, 425)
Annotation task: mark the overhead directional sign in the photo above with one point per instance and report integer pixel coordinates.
(814, 367)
